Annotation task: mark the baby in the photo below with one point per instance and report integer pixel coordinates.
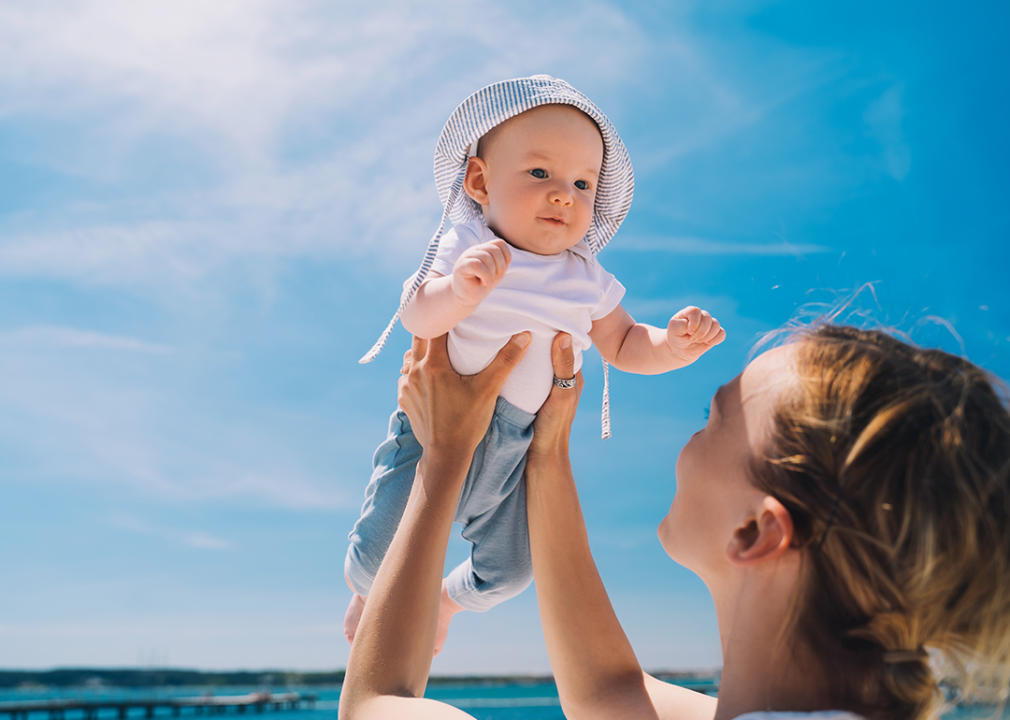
(547, 182)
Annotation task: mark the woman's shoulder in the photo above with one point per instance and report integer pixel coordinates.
(819, 715)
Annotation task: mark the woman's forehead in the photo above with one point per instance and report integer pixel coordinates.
(767, 377)
(776, 365)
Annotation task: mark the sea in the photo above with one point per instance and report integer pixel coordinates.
(532, 700)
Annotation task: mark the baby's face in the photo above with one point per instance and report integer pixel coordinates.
(542, 169)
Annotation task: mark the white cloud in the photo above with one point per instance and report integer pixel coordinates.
(43, 336)
(718, 87)
(246, 68)
(236, 69)
(126, 421)
(317, 121)
(704, 246)
(192, 538)
(883, 118)
(145, 255)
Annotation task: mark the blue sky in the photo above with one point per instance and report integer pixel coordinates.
(206, 212)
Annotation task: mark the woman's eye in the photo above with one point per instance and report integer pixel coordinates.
(581, 184)
(538, 173)
(708, 410)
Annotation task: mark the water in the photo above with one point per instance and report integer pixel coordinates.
(533, 701)
(498, 701)
(528, 701)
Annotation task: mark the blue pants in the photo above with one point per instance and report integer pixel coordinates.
(491, 507)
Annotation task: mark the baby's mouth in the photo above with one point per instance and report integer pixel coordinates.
(553, 221)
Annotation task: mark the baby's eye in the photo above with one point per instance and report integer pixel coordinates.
(538, 173)
(581, 184)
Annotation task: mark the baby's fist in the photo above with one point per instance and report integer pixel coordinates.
(479, 270)
(692, 332)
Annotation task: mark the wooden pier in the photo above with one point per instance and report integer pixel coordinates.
(208, 704)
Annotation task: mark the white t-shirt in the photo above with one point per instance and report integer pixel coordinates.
(544, 294)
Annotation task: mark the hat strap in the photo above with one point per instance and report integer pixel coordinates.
(422, 272)
(605, 415)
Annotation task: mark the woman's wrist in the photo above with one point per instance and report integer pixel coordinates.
(446, 466)
(551, 459)
(455, 447)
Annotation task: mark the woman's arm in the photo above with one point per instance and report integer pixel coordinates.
(594, 665)
(391, 656)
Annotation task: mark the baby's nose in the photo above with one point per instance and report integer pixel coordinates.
(561, 197)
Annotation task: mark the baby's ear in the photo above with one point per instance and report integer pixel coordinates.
(475, 183)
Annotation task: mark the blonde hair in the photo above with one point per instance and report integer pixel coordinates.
(894, 462)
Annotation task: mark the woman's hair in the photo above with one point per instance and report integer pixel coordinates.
(894, 462)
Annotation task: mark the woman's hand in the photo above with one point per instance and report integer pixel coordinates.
(447, 410)
(553, 425)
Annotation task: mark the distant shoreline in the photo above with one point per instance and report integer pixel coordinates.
(172, 677)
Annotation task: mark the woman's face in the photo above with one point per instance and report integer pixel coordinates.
(714, 494)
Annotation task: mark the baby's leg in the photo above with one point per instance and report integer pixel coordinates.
(494, 518)
(353, 614)
(394, 465)
(499, 566)
(447, 607)
(493, 512)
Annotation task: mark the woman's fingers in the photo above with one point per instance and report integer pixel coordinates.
(446, 408)
(554, 421)
(418, 349)
(563, 357)
(508, 357)
(437, 352)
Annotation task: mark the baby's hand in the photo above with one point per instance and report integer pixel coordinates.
(479, 270)
(692, 332)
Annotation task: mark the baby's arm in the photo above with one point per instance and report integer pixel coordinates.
(444, 300)
(647, 350)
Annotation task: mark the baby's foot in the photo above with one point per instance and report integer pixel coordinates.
(447, 607)
(353, 616)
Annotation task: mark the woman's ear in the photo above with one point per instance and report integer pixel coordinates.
(765, 535)
(475, 183)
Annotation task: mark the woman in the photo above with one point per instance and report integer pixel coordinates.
(847, 505)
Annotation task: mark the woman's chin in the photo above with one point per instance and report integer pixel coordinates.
(676, 544)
